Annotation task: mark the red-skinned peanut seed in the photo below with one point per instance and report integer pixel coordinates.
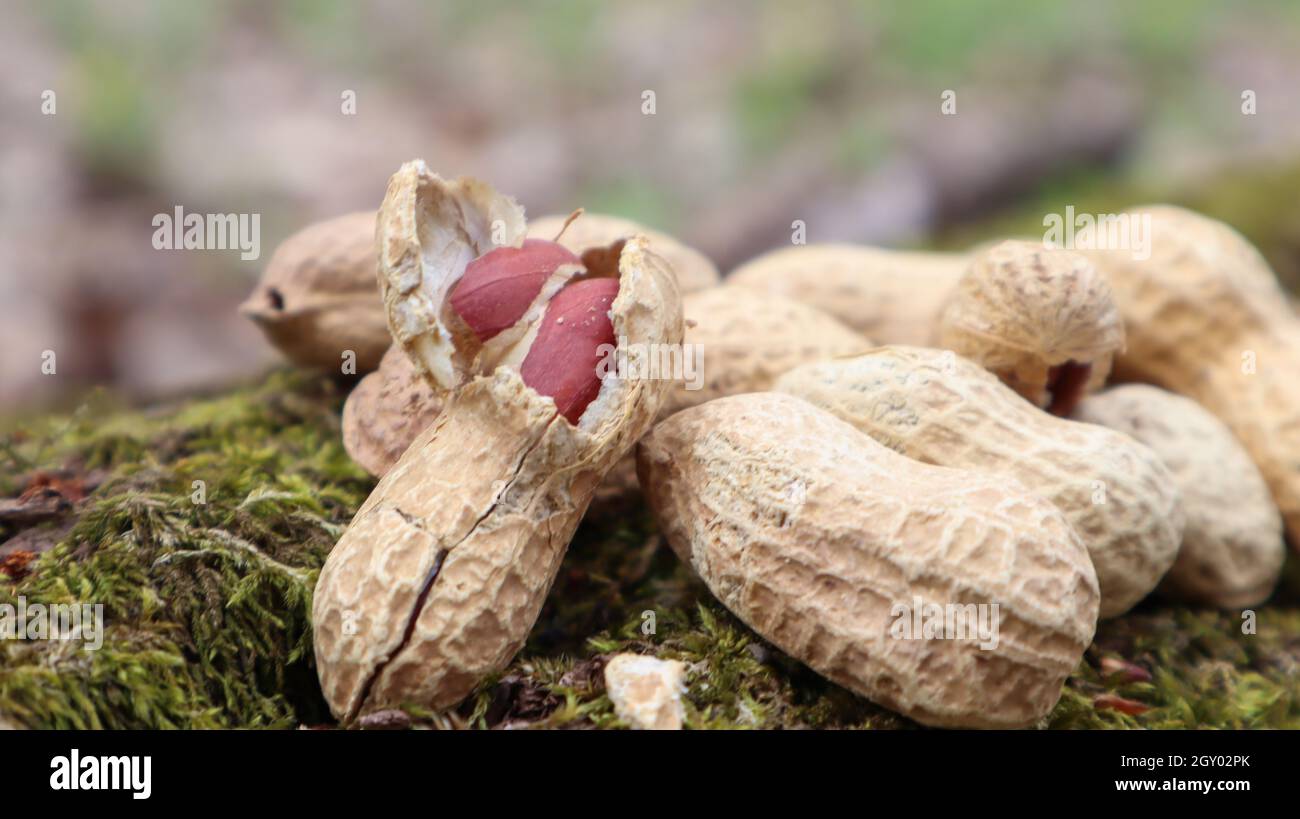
(563, 358)
(498, 286)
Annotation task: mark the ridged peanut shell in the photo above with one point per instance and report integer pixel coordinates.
(748, 339)
(693, 270)
(318, 296)
(1206, 318)
(1232, 548)
(892, 296)
(443, 571)
(386, 411)
(812, 533)
(939, 408)
(1020, 310)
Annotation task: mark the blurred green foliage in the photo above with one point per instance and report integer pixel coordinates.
(800, 57)
(1257, 200)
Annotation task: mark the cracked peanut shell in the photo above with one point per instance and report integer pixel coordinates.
(390, 407)
(813, 534)
(443, 571)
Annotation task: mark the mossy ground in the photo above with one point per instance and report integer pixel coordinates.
(207, 605)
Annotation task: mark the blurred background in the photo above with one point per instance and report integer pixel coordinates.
(765, 112)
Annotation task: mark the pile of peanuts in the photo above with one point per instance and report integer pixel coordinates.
(871, 431)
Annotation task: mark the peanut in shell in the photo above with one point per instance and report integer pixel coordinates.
(939, 408)
(821, 540)
(443, 571)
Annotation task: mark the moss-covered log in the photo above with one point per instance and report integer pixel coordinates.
(207, 603)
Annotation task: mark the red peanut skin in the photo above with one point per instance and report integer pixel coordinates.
(498, 286)
(562, 360)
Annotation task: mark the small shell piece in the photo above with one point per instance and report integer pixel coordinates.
(386, 411)
(318, 296)
(1032, 315)
(746, 339)
(942, 409)
(646, 691)
(693, 270)
(443, 571)
(1232, 548)
(892, 296)
(829, 545)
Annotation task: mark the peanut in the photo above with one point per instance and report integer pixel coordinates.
(1232, 549)
(499, 286)
(1042, 320)
(497, 291)
(814, 535)
(386, 410)
(941, 409)
(563, 361)
(593, 231)
(893, 296)
(646, 691)
(318, 297)
(747, 339)
(441, 575)
(1206, 318)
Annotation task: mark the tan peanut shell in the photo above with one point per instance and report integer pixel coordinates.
(892, 296)
(429, 230)
(1232, 548)
(441, 574)
(386, 411)
(1207, 319)
(747, 339)
(813, 534)
(646, 691)
(694, 270)
(390, 407)
(1022, 311)
(942, 409)
(318, 296)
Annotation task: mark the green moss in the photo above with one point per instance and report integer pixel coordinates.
(207, 605)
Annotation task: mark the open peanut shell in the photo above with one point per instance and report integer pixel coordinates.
(444, 569)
